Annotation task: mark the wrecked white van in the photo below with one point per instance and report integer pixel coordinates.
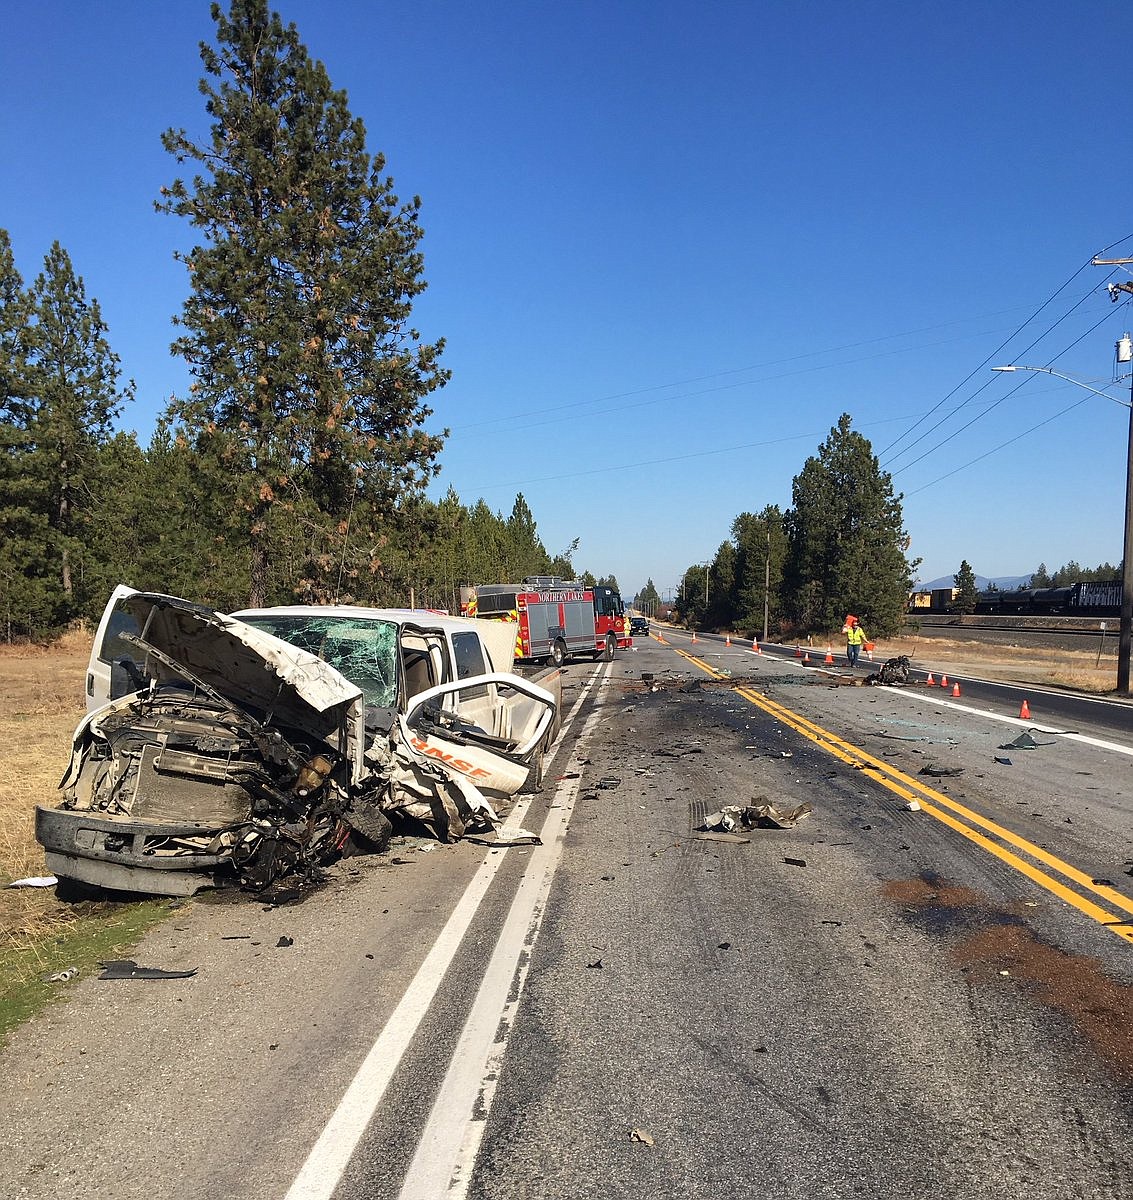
(247, 747)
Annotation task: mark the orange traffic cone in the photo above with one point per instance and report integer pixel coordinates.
(798, 651)
(758, 648)
(728, 640)
(930, 682)
(806, 657)
(755, 644)
(944, 681)
(1025, 712)
(956, 690)
(694, 635)
(829, 657)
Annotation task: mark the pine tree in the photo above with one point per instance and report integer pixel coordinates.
(761, 547)
(847, 544)
(310, 384)
(61, 396)
(967, 590)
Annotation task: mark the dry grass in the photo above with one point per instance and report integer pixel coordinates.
(1023, 664)
(41, 701)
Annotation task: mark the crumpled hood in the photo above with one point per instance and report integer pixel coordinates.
(251, 668)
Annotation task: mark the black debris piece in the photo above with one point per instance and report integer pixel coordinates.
(126, 968)
(1005, 761)
(693, 685)
(596, 965)
(938, 772)
(795, 862)
(285, 941)
(609, 783)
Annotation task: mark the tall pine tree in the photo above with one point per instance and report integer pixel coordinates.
(61, 390)
(847, 544)
(309, 383)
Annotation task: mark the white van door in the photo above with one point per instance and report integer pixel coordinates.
(105, 681)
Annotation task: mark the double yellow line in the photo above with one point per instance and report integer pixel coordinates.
(978, 829)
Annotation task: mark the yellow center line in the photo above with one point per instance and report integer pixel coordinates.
(934, 803)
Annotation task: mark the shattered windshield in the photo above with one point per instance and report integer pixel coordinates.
(363, 650)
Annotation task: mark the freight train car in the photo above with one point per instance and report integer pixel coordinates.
(1081, 599)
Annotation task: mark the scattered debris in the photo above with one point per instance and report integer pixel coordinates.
(608, 783)
(1003, 761)
(34, 881)
(678, 751)
(894, 673)
(64, 976)
(713, 835)
(795, 862)
(640, 1135)
(938, 772)
(1026, 741)
(913, 806)
(693, 685)
(596, 965)
(284, 940)
(766, 816)
(126, 968)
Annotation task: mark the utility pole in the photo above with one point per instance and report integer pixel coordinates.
(1125, 629)
(766, 581)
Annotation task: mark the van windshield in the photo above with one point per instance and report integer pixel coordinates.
(361, 649)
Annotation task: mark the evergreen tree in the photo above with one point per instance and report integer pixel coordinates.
(61, 395)
(310, 384)
(761, 547)
(526, 555)
(647, 600)
(967, 590)
(721, 600)
(24, 584)
(1041, 578)
(847, 544)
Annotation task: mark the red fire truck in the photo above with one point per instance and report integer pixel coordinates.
(556, 618)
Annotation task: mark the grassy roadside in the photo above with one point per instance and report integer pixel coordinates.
(74, 941)
(41, 702)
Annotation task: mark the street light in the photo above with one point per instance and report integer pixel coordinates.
(1125, 635)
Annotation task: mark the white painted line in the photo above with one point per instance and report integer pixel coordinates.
(1019, 722)
(446, 1153)
(328, 1159)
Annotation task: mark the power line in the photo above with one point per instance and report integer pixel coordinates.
(988, 382)
(992, 407)
(1003, 345)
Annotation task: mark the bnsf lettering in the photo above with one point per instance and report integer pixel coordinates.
(465, 768)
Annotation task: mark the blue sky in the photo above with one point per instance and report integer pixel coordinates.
(668, 244)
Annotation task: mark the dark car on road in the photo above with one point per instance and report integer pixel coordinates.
(639, 625)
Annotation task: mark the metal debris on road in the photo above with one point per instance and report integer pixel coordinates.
(795, 862)
(939, 772)
(64, 976)
(126, 968)
(640, 1135)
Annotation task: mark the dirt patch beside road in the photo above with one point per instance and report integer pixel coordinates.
(1074, 669)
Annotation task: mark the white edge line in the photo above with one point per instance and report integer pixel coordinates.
(328, 1159)
(446, 1152)
(1099, 743)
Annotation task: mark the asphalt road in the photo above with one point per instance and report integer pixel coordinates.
(879, 1001)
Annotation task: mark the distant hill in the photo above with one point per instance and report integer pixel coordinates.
(1005, 583)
